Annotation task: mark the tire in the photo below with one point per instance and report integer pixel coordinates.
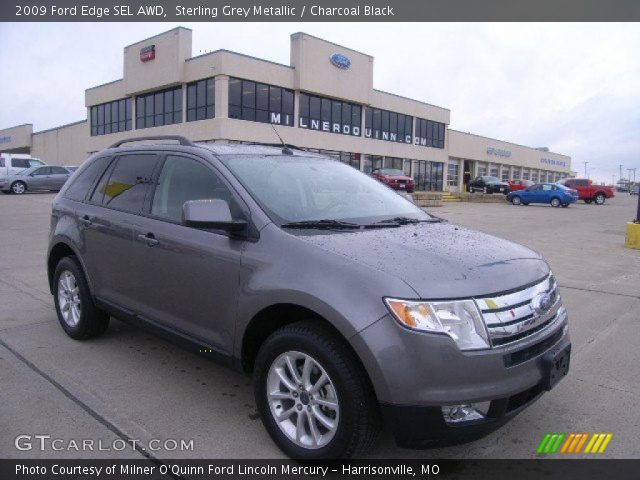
(357, 416)
(555, 202)
(18, 187)
(86, 321)
(600, 199)
(516, 200)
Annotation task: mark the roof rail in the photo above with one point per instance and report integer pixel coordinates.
(182, 140)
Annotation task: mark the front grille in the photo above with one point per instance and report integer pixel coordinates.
(521, 356)
(515, 316)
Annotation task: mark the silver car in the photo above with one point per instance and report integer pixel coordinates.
(35, 178)
(350, 305)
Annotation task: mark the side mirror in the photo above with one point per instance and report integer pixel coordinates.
(213, 213)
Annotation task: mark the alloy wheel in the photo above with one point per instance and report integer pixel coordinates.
(18, 188)
(69, 298)
(303, 400)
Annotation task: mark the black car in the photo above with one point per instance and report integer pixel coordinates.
(486, 184)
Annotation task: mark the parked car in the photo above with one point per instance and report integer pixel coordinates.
(633, 189)
(487, 184)
(394, 178)
(587, 191)
(12, 163)
(549, 193)
(71, 168)
(35, 178)
(318, 280)
(515, 185)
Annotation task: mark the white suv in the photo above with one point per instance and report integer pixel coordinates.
(12, 163)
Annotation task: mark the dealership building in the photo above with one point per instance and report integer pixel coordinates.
(323, 101)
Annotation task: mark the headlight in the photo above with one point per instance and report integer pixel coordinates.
(459, 319)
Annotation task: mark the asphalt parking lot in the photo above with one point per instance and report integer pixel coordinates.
(131, 384)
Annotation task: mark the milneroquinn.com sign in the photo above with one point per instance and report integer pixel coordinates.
(330, 127)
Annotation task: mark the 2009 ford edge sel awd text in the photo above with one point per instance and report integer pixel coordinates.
(352, 307)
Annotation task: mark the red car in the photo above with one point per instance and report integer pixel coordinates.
(587, 191)
(394, 178)
(519, 184)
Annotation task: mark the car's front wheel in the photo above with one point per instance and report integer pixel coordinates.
(77, 314)
(555, 202)
(516, 200)
(600, 198)
(312, 394)
(18, 187)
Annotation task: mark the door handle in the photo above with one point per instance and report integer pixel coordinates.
(149, 239)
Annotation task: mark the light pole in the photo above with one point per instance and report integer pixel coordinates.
(585, 168)
(620, 177)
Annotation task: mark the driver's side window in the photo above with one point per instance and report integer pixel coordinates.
(183, 179)
(42, 171)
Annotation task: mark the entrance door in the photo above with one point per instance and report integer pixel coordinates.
(466, 174)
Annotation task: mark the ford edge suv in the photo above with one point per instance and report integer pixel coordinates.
(352, 307)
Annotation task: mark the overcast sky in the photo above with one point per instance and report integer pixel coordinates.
(574, 88)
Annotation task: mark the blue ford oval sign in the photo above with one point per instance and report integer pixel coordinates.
(340, 61)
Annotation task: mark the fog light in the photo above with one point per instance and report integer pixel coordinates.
(465, 413)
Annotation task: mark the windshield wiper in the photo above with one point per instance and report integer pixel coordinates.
(322, 224)
(408, 220)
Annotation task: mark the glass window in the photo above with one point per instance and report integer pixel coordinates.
(159, 108)
(85, 178)
(259, 102)
(328, 115)
(59, 171)
(390, 126)
(183, 179)
(429, 133)
(125, 186)
(452, 174)
(201, 100)
(505, 174)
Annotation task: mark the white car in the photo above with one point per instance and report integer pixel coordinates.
(12, 163)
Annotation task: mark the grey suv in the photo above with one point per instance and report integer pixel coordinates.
(352, 307)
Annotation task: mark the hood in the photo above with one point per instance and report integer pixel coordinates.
(439, 260)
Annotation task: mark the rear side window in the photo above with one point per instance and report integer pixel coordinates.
(86, 178)
(124, 187)
(59, 171)
(20, 163)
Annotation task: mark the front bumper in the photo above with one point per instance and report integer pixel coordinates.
(414, 374)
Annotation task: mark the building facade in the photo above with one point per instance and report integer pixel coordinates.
(324, 100)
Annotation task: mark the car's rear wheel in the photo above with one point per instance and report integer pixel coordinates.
(77, 314)
(600, 198)
(516, 200)
(555, 202)
(18, 187)
(312, 394)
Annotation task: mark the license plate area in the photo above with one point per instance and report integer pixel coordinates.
(556, 366)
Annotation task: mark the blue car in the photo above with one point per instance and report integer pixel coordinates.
(551, 193)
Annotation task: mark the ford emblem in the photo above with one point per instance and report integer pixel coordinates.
(340, 61)
(542, 303)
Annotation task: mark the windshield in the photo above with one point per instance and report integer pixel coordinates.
(391, 171)
(295, 189)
